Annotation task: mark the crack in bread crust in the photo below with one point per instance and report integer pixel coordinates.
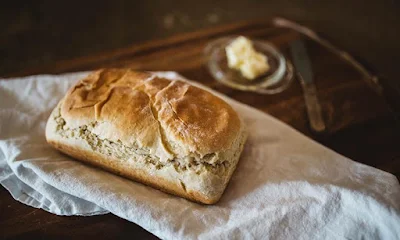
(121, 151)
(161, 130)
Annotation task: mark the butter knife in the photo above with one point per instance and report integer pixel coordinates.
(304, 73)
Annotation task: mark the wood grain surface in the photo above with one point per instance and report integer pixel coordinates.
(360, 124)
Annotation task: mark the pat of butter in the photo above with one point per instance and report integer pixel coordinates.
(243, 57)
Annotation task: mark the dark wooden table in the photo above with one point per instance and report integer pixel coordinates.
(361, 125)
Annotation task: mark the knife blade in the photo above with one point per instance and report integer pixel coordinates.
(305, 75)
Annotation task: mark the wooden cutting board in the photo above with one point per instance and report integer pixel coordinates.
(360, 125)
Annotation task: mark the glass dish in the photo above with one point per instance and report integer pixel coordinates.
(277, 79)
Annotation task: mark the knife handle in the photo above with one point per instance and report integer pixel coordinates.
(312, 104)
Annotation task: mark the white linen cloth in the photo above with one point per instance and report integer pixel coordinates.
(286, 186)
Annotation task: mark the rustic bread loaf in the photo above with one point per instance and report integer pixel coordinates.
(164, 133)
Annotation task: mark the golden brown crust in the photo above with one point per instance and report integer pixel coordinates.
(172, 116)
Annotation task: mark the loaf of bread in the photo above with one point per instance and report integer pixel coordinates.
(164, 133)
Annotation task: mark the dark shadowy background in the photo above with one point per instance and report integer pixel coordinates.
(35, 33)
(38, 32)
